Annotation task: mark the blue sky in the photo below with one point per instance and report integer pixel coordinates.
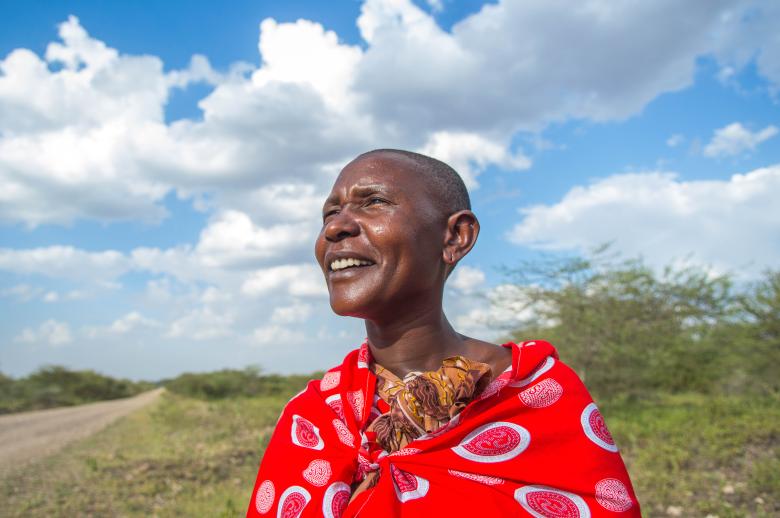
(163, 163)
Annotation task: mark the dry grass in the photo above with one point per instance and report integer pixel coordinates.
(178, 457)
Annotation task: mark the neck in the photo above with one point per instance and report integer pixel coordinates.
(418, 343)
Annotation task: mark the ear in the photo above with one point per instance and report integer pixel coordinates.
(460, 236)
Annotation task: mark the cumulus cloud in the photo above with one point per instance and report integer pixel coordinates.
(735, 139)
(125, 324)
(727, 224)
(505, 307)
(467, 279)
(22, 292)
(202, 324)
(293, 314)
(51, 332)
(84, 133)
(675, 140)
(297, 279)
(276, 335)
(66, 262)
(470, 154)
(507, 68)
(232, 240)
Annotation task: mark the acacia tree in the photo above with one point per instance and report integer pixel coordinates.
(623, 326)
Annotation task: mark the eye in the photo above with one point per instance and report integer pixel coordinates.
(372, 199)
(329, 213)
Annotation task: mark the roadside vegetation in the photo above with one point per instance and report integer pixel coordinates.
(683, 364)
(55, 386)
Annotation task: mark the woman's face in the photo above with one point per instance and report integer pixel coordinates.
(380, 212)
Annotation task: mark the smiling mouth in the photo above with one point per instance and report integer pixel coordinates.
(349, 271)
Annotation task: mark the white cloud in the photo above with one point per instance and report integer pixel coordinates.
(66, 262)
(131, 321)
(470, 154)
(730, 225)
(202, 324)
(466, 279)
(507, 68)
(436, 6)
(276, 335)
(735, 139)
(296, 279)
(295, 313)
(232, 240)
(675, 140)
(505, 308)
(22, 292)
(51, 332)
(90, 140)
(121, 326)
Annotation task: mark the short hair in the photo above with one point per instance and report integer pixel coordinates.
(446, 182)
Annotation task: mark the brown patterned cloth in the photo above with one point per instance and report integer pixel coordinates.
(422, 402)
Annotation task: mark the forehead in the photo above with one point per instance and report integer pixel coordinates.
(389, 172)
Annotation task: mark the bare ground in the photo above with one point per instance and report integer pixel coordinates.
(28, 436)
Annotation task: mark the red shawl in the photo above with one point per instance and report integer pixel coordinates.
(532, 444)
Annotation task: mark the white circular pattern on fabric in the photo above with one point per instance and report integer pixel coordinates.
(547, 365)
(264, 498)
(335, 403)
(482, 479)
(345, 436)
(542, 394)
(494, 442)
(336, 499)
(613, 495)
(330, 380)
(292, 502)
(493, 387)
(318, 472)
(548, 502)
(404, 452)
(407, 485)
(305, 434)
(362, 360)
(596, 429)
(356, 401)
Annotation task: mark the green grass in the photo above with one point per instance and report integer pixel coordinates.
(706, 455)
(178, 457)
(188, 457)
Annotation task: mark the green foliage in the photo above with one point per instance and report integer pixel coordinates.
(228, 383)
(629, 330)
(53, 386)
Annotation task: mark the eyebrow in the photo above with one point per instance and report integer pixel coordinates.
(358, 189)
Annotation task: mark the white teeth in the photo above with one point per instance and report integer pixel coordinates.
(340, 264)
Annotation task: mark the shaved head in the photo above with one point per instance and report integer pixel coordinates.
(452, 194)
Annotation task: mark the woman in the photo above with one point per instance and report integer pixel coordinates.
(421, 420)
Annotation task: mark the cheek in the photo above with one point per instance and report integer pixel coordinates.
(319, 248)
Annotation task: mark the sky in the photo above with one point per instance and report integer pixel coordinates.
(163, 164)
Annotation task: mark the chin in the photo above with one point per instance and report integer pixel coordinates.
(350, 308)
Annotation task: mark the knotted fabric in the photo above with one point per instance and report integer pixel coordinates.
(420, 403)
(531, 442)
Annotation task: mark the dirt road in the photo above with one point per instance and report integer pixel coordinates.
(28, 436)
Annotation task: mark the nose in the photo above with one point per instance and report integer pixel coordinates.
(340, 226)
